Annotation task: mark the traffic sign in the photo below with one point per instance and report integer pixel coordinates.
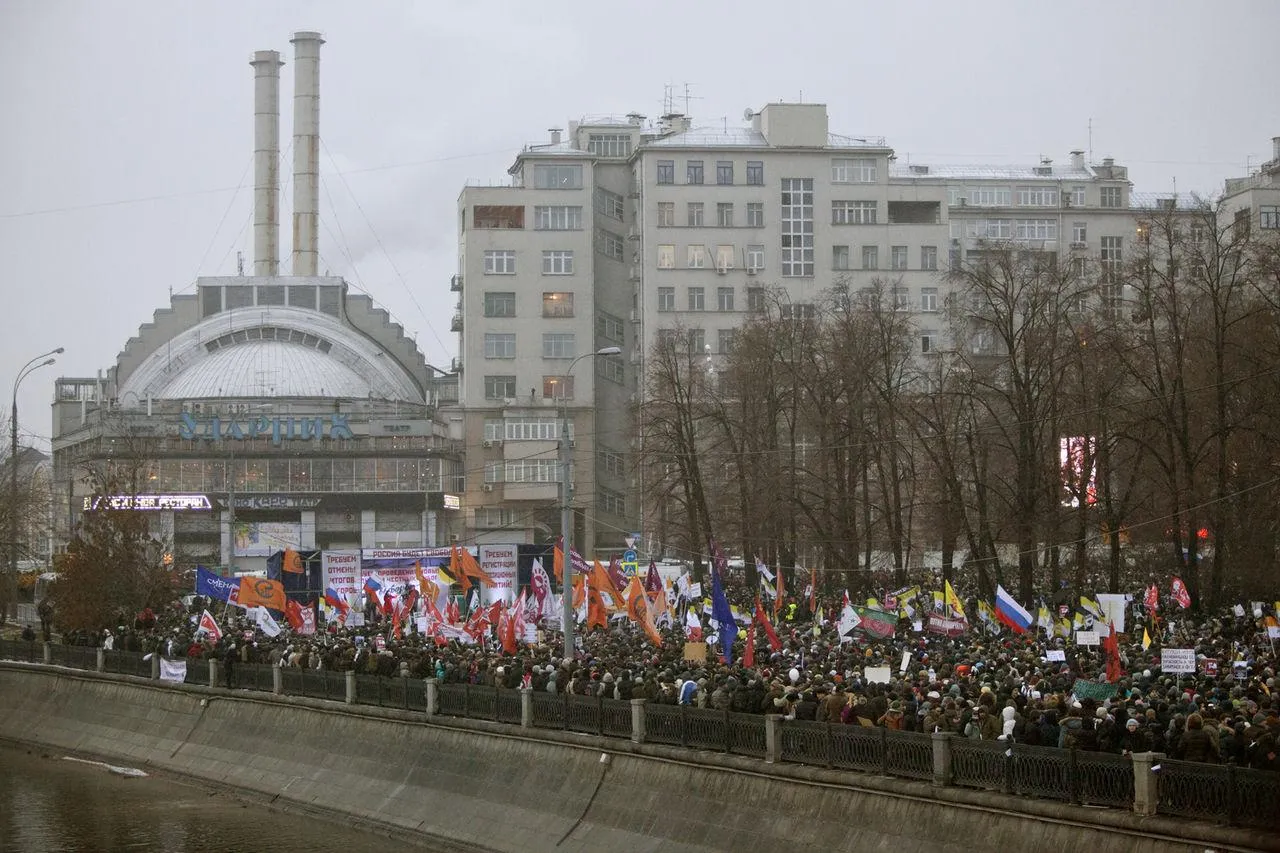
(629, 556)
(630, 568)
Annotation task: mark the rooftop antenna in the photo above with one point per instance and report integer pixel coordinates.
(1091, 140)
(240, 264)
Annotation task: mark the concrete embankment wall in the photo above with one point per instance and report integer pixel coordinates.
(505, 789)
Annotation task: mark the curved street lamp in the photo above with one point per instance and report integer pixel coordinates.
(42, 360)
(566, 498)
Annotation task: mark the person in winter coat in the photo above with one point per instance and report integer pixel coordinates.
(1009, 723)
(1134, 739)
(1197, 744)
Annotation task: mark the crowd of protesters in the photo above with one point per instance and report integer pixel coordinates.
(984, 684)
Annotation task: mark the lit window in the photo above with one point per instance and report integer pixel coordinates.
(557, 304)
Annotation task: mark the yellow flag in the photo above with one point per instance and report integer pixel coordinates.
(1146, 640)
(953, 600)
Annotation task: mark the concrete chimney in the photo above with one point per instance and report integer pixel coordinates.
(555, 135)
(1275, 148)
(1077, 160)
(306, 151)
(266, 162)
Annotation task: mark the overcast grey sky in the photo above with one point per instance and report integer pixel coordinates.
(105, 103)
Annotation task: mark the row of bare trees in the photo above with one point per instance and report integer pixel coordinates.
(1097, 422)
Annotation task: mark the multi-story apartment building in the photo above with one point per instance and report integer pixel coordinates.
(627, 230)
(1255, 200)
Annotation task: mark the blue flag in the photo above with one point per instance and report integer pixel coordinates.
(215, 586)
(722, 613)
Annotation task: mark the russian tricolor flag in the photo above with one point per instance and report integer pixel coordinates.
(1011, 613)
(335, 601)
(372, 586)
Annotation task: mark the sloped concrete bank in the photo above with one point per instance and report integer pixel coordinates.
(505, 789)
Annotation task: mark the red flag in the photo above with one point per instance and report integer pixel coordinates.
(452, 614)
(813, 590)
(777, 601)
(1180, 593)
(749, 655)
(209, 626)
(1153, 598)
(507, 630)
(293, 612)
(763, 619)
(1112, 646)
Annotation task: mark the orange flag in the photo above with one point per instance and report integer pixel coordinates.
(471, 568)
(261, 592)
(579, 591)
(557, 562)
(600, 581)
(638, 610)
(292, 561)
(777, 601)
(456, 568)
(596, 612)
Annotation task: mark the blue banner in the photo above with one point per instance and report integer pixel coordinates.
(215, 586)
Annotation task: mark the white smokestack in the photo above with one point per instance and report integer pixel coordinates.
(266, 162)
(306, 151)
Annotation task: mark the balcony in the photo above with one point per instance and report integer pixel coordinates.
(455, 283)
(456, 324)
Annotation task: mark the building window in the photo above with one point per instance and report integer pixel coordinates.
(861, 170)
(693, 214)
(990, 229)
(666, 299)
(499, 387)
(798, 311)
(611, 367)
(929, 299)
(1112, 255)
(557, 217)
(871, 257)
(693, 172)
(504, 216)
(928, 257)
(499, 262)
(557, 176)
(666, 214)
(609, 326)
(697, 340)
(666, 256)
(797, 227)
(755, 258)
(697, 299)
(530, 428)
(1036, 229)
(755, 214)
(724, 172)
(697, 257)
(1111, 197)
(1077, 196)
(493, 472)
(495, 517)
(493, 429)
(499, 345)
(1038, 196)
(755, 299)
(725, 339)
(666, 171)
(724, 298)
(557, 304)
(612, 462)
(724, 215)
(610, 204)
(499, 304)
(611, 502)
(755, 173)
(928, 340)
(988, 196)
(901, 299)
(609, 244)
(1079, 232)
(853, 213)
(557, 262)
(557, 387)
(558, 345)
(839, 257)
(724, 258)
(898, 257)
(532, 470)
(1269, 216)
(609, 144)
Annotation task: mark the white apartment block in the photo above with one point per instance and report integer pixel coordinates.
(623, 231)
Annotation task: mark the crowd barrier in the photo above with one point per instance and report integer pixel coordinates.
(1145, 783)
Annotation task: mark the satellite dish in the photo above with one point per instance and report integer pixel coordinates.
(748, 114)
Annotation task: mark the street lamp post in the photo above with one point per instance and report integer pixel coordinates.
(42, 360)
(566, 499)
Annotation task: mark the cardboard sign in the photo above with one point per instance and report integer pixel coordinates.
(1178, 660)
(695, 652)
(877, 674)
(1057, 655)
(1086, 638)
(906, 661)
(1209, 666)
